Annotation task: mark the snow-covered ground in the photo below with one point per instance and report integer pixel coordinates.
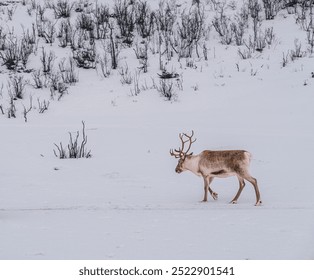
(126, 201)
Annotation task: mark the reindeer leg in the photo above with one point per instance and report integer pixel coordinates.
(241, 186)
(213, 194)
(206, 187)
(253, 181)
(207, 181)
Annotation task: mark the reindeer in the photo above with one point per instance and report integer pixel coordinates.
(211, 164)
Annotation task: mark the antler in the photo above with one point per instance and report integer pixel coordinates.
(180, 152)
(176, 155)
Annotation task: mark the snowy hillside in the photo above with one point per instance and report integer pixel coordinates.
(238, 80)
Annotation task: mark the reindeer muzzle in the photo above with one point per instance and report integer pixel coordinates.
(178, 170)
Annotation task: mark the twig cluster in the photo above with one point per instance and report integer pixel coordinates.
(76, 147)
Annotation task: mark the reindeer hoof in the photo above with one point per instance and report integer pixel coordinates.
(259, 203)
(215, 196)
(203, 200)
(233, 202)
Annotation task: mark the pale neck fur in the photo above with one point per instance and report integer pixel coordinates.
(192, 163)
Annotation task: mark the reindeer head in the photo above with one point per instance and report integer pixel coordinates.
(180, 153)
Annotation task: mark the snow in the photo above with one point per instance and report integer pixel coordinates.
(126, 202)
